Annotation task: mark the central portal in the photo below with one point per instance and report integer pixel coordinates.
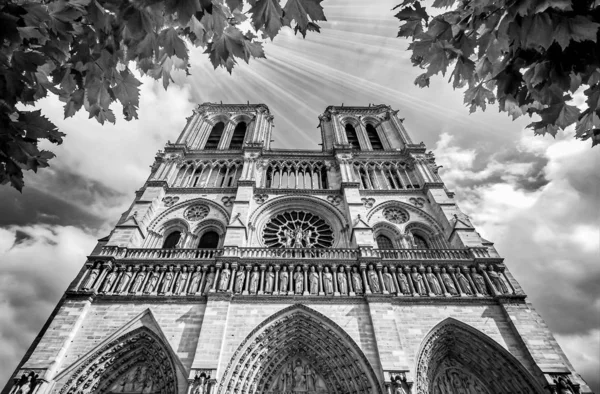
(298, 350)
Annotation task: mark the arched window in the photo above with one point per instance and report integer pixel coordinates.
(239, 133)
(215, 136)
(172, 240)
(209, 240)
(384, 242)
(420, 241)
(374, 138)
(352, 136)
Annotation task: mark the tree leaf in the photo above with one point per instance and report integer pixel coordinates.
(477, 96)
(267, 15)
(300, 11)
(126, 90)
(174, 46)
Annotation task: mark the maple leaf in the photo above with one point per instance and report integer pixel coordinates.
(38, 126)
(477, 96)
(300, 11)
(173, 44)
(267, 15)
(463, 72)
(126, 89)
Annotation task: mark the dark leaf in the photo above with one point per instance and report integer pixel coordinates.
(267, 15)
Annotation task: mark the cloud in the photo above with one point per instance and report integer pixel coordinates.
(583, 351)
(548, 234)
(38, 263)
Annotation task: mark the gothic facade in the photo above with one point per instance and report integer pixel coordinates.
(242, 269)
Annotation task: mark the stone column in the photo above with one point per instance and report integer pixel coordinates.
(232, 277)
(213, 287)
(202, 281)
(261, 285)
(364, 278)
(305, 269)
(411, 286)
(349, 278)
(334, 273)
(395, 280)
(276, 288)
(246, 289)
(384, 290)
(320, 271)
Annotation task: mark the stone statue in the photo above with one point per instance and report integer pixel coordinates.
(399, 389)
(193, 288)
(342, 281)
(306, 237)
(299, 379)
(124, 281)
(89, 283)
(313, 280)
(479, 281)
(165, 285)
(269, 280)
(464, 283)
(27, 386)
(210, 279)
(357, 281)
(497, 281)
(285, 379)
(418, 282)
(200, 385)
(373, 280)
(284, 278)
(563, 386)
(327, 281)
(298, 238)
(298, 281)
(224, 279)
(310, 378)
(289, 236)
(152, 282)
(108, 282)
(180, 241)
(254, 278)
(183, 276)
(434, 284)
(139, 279)
(388, 281)
(240, 276)
(448, 282)
(403, 282)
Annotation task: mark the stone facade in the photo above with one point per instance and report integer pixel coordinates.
(244, 269)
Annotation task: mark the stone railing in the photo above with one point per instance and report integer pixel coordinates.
(469, 254)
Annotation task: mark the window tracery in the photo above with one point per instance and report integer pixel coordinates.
(208, 173)
(196, 212)
(383, 242)
(297, 229)
(395, 215)
(296, 174)
(385, 175)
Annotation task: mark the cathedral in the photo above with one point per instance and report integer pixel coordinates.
(243, 269)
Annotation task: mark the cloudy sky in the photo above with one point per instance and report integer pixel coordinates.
(536, 198)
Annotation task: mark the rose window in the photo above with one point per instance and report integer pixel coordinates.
(396, 215)
(297, 229)
(196, 212)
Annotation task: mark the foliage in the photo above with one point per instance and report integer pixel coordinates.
(529, 55)
(80, 50)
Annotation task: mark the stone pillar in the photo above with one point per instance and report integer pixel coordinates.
(261, 285)
(364, 278)
(421, 270)
(276, 286)
(232, 278)
(246, 289)
(395, 280)
(384, 290)
(489, 283)
(334, 270)
(213, 287)
(320, 271)
(305, 270)
(349, 278)
(411, 286)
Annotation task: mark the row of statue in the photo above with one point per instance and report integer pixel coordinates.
(301, 280)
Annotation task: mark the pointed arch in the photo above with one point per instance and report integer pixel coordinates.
(352, 136)
(373, 137)
(299, 337)
(456, 353)
(215, 135)
(238, 136)
(139, 358)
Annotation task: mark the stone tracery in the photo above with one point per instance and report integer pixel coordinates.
(297, 229)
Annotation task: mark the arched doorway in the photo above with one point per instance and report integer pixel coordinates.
(299, 350)
(457, 359)
(136, 363)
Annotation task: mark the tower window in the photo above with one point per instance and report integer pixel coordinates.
(420, 242)
(352, 136)
(172, 240)
(209, 240)
(374, 138)
(384, 242)
(215, 136)
(239, 133)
